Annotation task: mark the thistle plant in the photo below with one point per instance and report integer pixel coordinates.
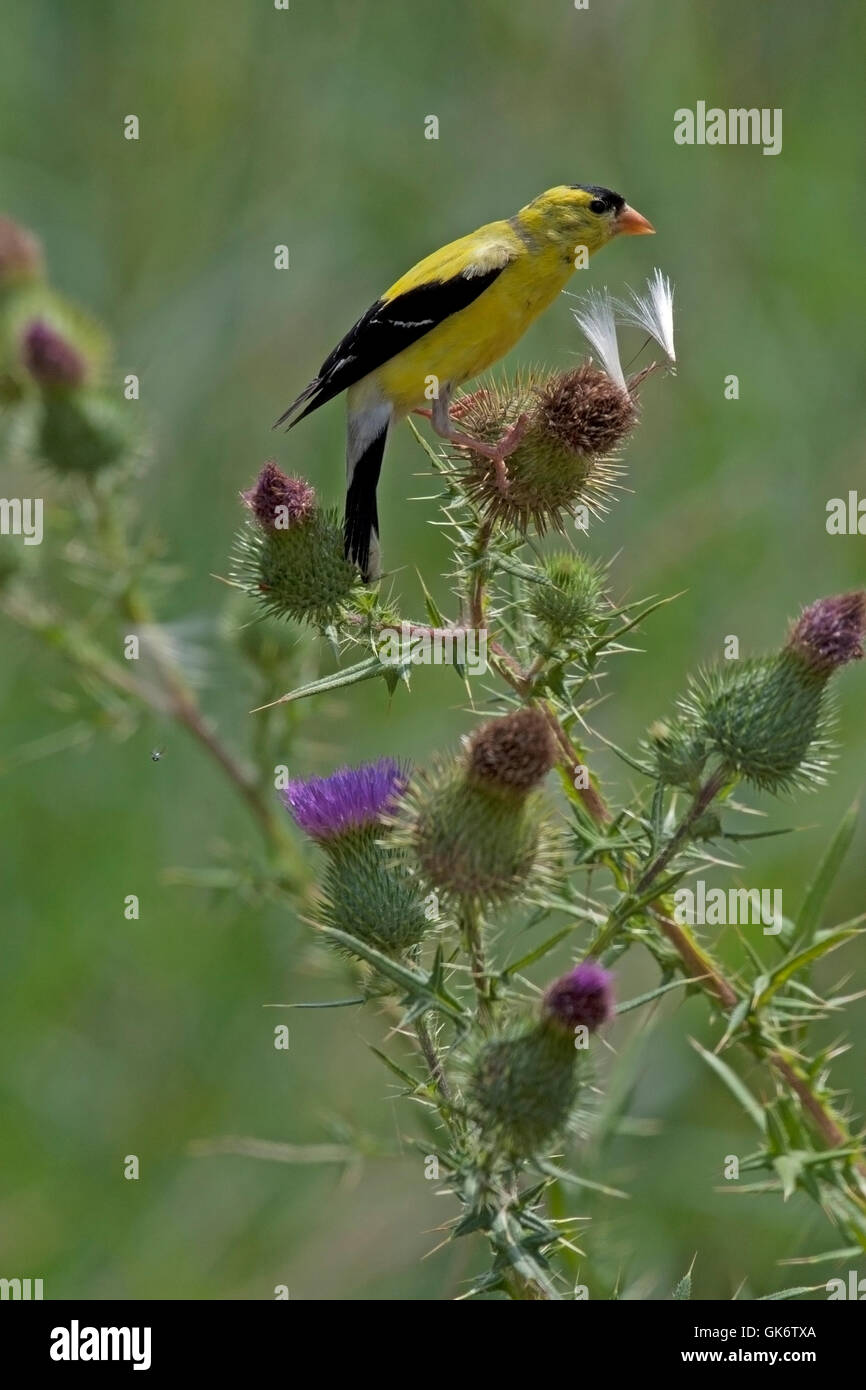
(418, 881)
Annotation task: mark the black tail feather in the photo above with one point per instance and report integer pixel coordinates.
(361, 527)
(313, 390)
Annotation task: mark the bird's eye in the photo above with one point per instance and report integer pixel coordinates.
(597, 206)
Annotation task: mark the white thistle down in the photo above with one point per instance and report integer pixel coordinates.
(653, 313)
(597, 322)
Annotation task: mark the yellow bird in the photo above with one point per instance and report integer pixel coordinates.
(448, 318)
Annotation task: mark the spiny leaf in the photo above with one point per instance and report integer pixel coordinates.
(684, 1287)
(849, 1252)
(790, 1293)
(416, 984)
(652, 994)
(411, 1081)
(826, 942)
(365, 670)
(562, 1175)
(819, 889)
(737, 1088)
(539, 951)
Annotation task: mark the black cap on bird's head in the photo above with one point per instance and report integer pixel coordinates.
(626, 222)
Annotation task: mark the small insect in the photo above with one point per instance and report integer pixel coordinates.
(156, 754)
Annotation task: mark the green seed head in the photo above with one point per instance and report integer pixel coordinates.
(569, 599)
(472, 843)
(82, 431)
(765, 719)
(477, 827)
(523, 1089)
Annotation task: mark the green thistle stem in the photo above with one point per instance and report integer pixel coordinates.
(703, 799)
(432, 1058)
(470, 932)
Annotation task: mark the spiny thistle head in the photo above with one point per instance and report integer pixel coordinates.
(679, 753)
(582, 998)
(82, 431)
(367, 891)
(586, 411)
(351, 799)
(523, 1088)
(766, 718)
(477, 827)
(563, 461)
(20, 255)
(569, 598)
(511, 755)
(50, 359)
(277, 500)
(472, 844)
(291, 555)
(829, 633)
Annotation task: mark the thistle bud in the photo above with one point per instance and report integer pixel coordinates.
(766, 719)
(20, 255)
(47, 343)
(291, 556)
(277, 500)
(569, 598)
(522, 1089)
(576, 420)
(582, 998)
(50, 359)
(829, 633)
(81, 431)
(477, 826)
(367, 890)
(512, 755)
(678, 753)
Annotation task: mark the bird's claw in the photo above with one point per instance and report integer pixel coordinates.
(510, 441)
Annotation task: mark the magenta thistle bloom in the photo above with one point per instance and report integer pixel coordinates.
(274, 489)
(829, 633)
(49, 358)
(583, 996)
(352, 798)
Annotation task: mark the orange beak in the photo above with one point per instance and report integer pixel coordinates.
(630, 223)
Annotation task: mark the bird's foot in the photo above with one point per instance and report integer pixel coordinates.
(497, 453)
(506, 446)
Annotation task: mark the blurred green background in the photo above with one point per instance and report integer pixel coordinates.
(306, 127)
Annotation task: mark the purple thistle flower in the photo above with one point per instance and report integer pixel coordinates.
(351, 798)
(274, 489)
(583, 996)
(49, 358)
(829, 633)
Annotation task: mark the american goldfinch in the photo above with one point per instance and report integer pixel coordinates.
(450, 317)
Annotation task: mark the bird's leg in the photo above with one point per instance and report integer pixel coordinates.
(440, 419)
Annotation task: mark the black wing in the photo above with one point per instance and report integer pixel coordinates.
(389, 326)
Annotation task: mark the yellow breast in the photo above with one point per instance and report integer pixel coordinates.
(476, 337)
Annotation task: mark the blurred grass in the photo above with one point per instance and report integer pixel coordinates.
(261, 127)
